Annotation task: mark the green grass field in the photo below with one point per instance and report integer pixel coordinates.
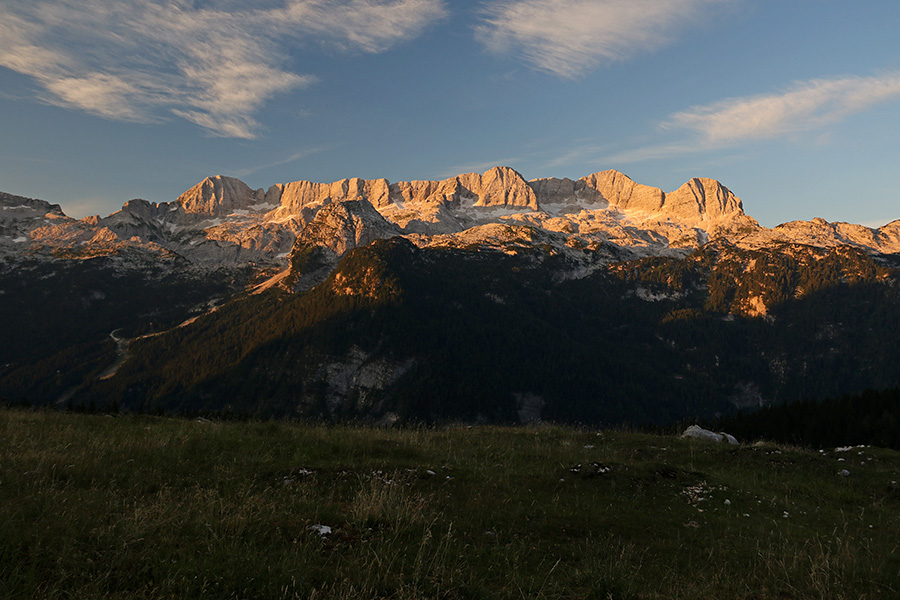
(144, 507)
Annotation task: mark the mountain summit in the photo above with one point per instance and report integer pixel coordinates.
(221, 220)
(481, 297)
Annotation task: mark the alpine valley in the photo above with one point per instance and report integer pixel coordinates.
(480, 298)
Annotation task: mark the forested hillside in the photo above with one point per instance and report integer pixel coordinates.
(432, 334)
(57, 316)
(870, 418)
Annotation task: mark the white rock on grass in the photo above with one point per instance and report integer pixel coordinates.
(697, 432)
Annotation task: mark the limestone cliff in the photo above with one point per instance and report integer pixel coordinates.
(219, 196)
(342, 226)
(497, 187)
(222, 221)
(620, 191)
(702, 198)
(295, 196)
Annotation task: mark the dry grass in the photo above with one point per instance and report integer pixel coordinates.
(137, 507)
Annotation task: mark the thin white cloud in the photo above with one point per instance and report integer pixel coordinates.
(139, 60)
(369, 25)
(593, 156)
(806, 106)
(569, 37)
(243, 172)
(98, 93)
(804, 109)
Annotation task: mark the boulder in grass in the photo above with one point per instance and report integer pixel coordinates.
(697, 432)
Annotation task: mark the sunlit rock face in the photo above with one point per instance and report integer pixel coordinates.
(540, 268)
(500, 186)
(219, 196)
(18, 208)
(821, 233)
(342, 226)
(20, 217)
(623, 193)
(294, 197)
(699, 198)
(223, 221)
(497, 187)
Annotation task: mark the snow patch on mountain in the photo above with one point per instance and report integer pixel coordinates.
(223, 222)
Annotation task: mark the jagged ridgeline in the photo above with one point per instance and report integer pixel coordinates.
(479, 298)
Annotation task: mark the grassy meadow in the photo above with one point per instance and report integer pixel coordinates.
(147, 507)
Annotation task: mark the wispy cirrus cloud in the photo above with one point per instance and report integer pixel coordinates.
(805, 109)
(569, 37)
(214, 64)
(634, 155)
(805, 106)
(245, 171)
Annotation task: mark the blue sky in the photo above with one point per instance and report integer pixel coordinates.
(793, 104)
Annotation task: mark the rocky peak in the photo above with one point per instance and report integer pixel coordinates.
(223, 219)
(497, 187)
(695, 200)
(597, 191)
(500, 186)
(552, 190)
(16, 207)
(219, 196)
(889, 235)
(144, 210)
(622, 192)
(297, 195)
(440, 193)
(702, 197)
(342, 226)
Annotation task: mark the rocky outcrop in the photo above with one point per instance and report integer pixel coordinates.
(424, 219)
(147, 211)
(63, 234)
(599, 190)
(146, 220)
(500, 186)
(889, 236)
(342, 226)
(497, 187)
(821, 233)
(19, 207)
(702, 198)
(356, 382)
(622, 192)
(219, 196)
(698, 433)
(240, 242)
(695, 200)
(299, 195)
(440, 193)
(559, 191)
(20, 216)
(222, 220)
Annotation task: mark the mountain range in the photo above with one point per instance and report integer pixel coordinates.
(223, 221)
(479, 297)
